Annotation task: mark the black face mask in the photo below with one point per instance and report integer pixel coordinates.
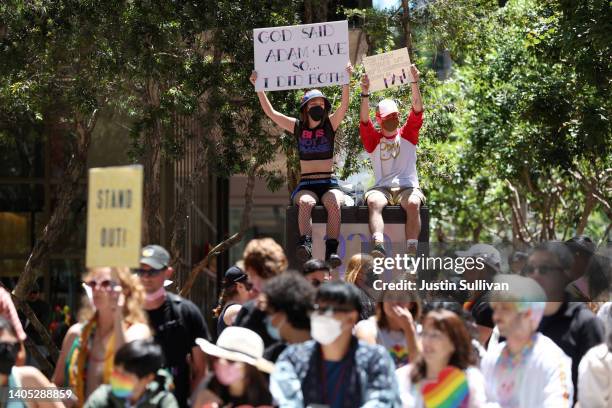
(8, 356)
(316, 113)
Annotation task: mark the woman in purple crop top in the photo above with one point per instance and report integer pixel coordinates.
(315, 136)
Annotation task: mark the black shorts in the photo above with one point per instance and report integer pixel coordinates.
(317, 186)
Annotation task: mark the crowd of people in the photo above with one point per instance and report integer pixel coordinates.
(302, 338)
(311, 338)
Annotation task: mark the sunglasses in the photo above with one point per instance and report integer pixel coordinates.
(543, 270)
(106, 284)
(149, 272)
(11, 347)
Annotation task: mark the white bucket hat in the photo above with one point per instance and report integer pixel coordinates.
(238, 344)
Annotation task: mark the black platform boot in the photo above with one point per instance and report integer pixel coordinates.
(304, 248)
(331, 256)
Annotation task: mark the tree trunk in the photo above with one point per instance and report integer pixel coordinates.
(315, 11)
(24, 308)
(407, 29)
(589, 205)
(69, 190)
(245, 222)
(151, 229)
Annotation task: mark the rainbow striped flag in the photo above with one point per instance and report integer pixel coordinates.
(450, 391)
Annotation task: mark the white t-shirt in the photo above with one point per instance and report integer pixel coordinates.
(543, 381)
(394, 158)
(595, 373)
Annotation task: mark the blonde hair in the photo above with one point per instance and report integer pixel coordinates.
(358, 266)
(133, 291)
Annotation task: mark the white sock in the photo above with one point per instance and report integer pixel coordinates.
(412, 243)
(378, 237)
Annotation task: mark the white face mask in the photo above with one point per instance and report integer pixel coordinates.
(324, 329)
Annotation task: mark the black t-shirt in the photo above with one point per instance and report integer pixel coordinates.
(251, 317)
(176, 325)
(317, 143)
(575, 329)
(220, 323)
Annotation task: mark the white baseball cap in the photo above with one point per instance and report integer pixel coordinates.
(386, 107)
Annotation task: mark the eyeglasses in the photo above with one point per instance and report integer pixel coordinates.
(106, 284)
(543, 270)
(149, 272)
(330, 309)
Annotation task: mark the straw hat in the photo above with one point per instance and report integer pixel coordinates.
(238, 344)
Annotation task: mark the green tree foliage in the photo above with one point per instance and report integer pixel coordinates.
(516, 142)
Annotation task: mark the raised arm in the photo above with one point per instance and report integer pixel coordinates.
(364, 110)
(417, 102)
(281, 120)
(338, 116)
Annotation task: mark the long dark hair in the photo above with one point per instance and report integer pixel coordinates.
(388, 296)
(304, 115)
(450, 324)
(256, 387)
(227, 293)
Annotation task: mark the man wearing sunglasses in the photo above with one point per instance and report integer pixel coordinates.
(335, 369)
(176, 321)
(571, 325)
(316, 272)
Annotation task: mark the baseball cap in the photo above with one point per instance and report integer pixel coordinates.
(234, 274)
(488, 253)
(386, 107)
(314, 93)
(155, 256)
(581, 243)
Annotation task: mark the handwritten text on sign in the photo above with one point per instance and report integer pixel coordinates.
(114, 216)
(388, 70)
(302, 56)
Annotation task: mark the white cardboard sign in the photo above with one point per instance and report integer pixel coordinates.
(388, 70)
(301, 56)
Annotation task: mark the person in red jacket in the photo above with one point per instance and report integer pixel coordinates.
(392, 150)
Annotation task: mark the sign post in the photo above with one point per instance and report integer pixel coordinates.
(388, 70)
(114, 216)
(301, 56)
